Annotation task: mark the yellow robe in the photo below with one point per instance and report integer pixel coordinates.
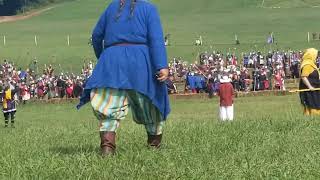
(308, 65)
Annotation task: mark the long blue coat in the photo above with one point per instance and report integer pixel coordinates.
(134, 66)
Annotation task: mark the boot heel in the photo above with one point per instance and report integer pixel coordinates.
(154, 141)
(108, 143)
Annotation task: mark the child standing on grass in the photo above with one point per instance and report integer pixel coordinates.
(226, 93)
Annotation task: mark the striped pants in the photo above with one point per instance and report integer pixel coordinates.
(110, 106)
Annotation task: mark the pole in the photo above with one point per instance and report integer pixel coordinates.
(304, 90)
(174, 65)
(4, 40)
(255, 75)
(61, 70)
(35, 40)
(262, 4)
(200, 71)
(68, 40)
(308, 37)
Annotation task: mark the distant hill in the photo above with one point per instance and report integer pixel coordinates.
(12, 7)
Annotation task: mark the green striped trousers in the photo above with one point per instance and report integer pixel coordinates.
(110, 106)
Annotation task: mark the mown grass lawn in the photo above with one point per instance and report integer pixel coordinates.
(270, 139)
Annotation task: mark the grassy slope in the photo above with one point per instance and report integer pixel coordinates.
(270, 139)
(216, 20)
(291, 3)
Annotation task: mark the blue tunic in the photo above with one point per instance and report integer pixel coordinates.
(134, 65)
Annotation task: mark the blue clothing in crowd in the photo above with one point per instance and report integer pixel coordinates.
(196, 82)
(132, 54)
(23, 75)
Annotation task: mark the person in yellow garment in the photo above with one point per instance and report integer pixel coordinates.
(8, 106)
(310, 79)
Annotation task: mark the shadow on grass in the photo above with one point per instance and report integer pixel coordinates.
(75, 150)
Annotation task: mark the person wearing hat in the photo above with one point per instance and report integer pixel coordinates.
(310, 79)
(226, 94)
(128, 37)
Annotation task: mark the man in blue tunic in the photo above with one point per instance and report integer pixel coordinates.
(131, 70)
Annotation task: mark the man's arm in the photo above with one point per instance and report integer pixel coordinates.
(98, 35)
(156, 44)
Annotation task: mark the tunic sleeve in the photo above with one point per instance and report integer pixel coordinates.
(98, 35)
(156, 41)
(307, 70)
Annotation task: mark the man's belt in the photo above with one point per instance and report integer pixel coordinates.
(125, 44)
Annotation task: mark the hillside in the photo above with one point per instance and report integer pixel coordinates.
(216, 20)
(13, 7)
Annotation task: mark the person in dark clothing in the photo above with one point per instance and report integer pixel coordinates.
(61, 84)
(210, 87)
(171, 86)
(295, 70)
(78, 89)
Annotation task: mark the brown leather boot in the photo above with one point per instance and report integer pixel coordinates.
(108, 143)
(154, 141)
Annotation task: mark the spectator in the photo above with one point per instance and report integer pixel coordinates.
(226, 93)
(9, 105)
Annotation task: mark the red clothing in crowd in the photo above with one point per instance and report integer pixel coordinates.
(226, 93)
(70, 90)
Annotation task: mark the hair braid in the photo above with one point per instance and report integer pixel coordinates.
(132, 7)
(122, 3)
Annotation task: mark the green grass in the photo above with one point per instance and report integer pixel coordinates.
(291, 3)
(270, 139)
(216, 20)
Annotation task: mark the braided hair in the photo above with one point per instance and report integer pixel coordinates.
(122, 5)
(132, 7)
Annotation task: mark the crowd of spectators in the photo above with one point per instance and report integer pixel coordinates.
(48, 84)
(253, 71)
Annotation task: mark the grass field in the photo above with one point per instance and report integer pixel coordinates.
(270, 139)
(216, 20)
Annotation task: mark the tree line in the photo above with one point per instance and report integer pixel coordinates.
(13, 7)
